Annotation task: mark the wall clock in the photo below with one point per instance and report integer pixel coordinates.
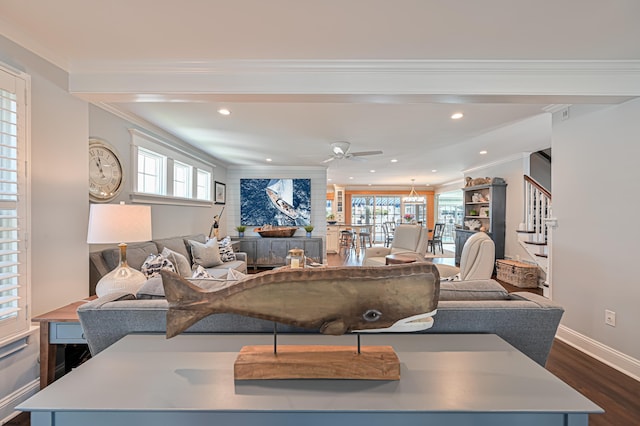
(105, 171)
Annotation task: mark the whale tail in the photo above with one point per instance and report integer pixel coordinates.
(182, 297)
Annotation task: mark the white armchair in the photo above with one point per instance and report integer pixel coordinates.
(406, 239)
(476, 260)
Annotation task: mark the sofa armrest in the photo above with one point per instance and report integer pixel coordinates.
(97, 269)
(376, 252)
(447, 271)
(241, 256)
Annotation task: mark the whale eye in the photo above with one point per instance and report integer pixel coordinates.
(372, 315)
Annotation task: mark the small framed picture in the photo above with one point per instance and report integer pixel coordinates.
(219, 192)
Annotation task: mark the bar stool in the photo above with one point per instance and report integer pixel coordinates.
(365, 236)
(346, 242)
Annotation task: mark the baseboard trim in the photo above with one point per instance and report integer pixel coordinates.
(8, 404)
(613, 358)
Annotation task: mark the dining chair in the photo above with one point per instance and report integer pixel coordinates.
(436, 238)
(388, 234)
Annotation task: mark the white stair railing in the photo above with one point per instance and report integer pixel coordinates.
(537, 209)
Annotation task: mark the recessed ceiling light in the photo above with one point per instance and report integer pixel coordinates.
(329, 179)
(457, 116)
(433, 171)
(351, 177)
(394, 160)
(369, 184)
(483, 152)
(224, 111)
(269, 160)
(372, 171)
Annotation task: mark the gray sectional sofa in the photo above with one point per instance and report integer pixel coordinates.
(525, 320)
(101, 262)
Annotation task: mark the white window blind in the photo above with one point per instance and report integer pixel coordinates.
(13, 205)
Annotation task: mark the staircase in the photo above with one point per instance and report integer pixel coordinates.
(534, 234)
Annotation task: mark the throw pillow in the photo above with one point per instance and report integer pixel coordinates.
(200, 273)
(179, 261)
(234, 275)
(226, 250)
(207, 254)
(151, 289)
(154, 263)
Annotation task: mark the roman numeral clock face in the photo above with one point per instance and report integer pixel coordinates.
(105, 172)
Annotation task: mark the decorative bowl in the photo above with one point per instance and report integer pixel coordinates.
(283, 232)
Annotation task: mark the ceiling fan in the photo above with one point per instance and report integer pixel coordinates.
(340, 150)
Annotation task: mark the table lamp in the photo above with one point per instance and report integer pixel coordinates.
(119, 223)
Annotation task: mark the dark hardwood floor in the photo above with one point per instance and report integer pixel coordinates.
(617, 393)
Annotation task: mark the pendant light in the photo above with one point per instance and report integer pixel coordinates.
(413, 198)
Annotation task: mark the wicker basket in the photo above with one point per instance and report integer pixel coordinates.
(516, 273)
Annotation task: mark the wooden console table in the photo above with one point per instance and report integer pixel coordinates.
(452, 379)
(58, 327)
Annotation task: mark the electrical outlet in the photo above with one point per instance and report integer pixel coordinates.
(564, 115)
(610, 318)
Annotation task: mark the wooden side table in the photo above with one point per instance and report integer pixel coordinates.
(58, 327)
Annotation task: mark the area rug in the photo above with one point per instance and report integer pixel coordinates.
(446, 254)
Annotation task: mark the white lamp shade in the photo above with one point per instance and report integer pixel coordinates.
(118, 223)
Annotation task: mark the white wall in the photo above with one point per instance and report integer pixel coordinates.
(595, 246)
(318, 176)
(167, 220)
(540, 170)
(59, 170)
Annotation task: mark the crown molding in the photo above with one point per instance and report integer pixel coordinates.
(368, 66)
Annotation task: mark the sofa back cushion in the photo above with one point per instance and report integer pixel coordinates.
(137, 253)
(472, 290)
(175, 244)
(407, 237)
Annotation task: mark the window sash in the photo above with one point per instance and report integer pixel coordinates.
(203, 185)
(182, 179)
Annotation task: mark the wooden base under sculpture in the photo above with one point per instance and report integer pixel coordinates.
(317, 362)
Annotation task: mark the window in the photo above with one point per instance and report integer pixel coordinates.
(450, 212)
(203, 185)
(376, 210)
(168, 174)
(182, 179)
(14, 193)
(151, 168)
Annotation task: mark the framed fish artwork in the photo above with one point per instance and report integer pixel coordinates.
(279, 202)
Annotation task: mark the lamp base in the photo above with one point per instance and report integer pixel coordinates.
(122, 279)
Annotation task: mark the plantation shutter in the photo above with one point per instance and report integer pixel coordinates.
(13, 205)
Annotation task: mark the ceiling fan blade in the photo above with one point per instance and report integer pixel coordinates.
(358, 159)
(329, 159)
(361, 153)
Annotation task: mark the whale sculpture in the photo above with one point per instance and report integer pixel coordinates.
(334, 300)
